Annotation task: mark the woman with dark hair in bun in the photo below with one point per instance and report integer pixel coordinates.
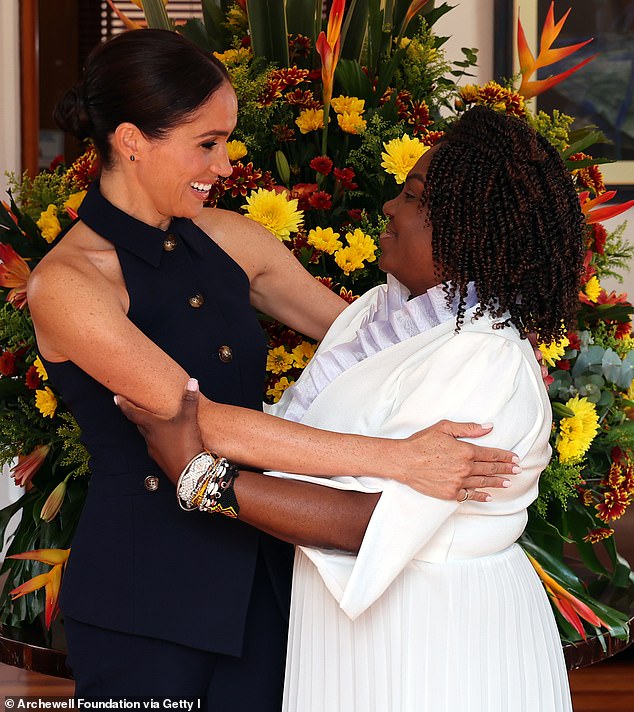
(436, 608)
(146, 289)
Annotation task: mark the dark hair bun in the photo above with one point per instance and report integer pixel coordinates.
(71, 113)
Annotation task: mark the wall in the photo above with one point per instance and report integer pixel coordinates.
(10, 83)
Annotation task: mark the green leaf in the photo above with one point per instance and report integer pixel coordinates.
(156, 15)
(303, 17)
(267, 26)
(582, 143)
(387, 72)
(196, 32)
(353, 80)
(559, 409)
(354, 29)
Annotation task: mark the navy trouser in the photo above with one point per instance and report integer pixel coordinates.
(110, 664)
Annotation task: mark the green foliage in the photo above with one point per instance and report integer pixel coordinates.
(555, 127)
(76, 458)
(617, 256)
(557, 482)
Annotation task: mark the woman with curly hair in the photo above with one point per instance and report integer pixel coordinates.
(437, 608)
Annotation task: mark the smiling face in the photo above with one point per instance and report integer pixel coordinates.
(406, 244)
(175, 173)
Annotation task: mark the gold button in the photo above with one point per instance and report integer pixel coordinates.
(151, 483)
(225, 354)
(196, 301)
(169, 243)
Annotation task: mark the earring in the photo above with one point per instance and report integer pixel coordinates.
(132, 158)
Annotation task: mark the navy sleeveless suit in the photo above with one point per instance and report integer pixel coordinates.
(139, 565)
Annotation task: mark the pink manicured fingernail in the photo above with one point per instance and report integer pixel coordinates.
(192, 385)
(515, 459)
(516, 470)
(487, 426)
(488, 498)
(116, 400)
(506, 483)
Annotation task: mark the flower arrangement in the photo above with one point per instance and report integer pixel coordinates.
(329, 124)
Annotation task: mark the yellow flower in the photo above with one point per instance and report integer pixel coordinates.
(363, 244)
(39, 367)
(324, 239)
(592, 289)
(279, 360)
(303, 353)
(236, 150)
(274, 212)
(401, 155)
(351, 123)
(348, 104)
(49, 224)
(348, 260)
(46, 402)
(310, 120)
(276, 390)
(554, 351)
(75, 200)
(577, 432)
(234, 56)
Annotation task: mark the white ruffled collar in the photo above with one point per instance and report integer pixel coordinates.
(394, 318)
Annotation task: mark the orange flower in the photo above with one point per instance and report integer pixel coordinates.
(29, 464)
(594, 214)
(52, 580)
(596, 535)
(328, 46)
(570, 607)
(529, 65)
(14, 273)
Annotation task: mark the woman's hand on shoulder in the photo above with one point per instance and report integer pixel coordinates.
(435, 463)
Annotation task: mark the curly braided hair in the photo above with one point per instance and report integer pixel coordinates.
(506, 216)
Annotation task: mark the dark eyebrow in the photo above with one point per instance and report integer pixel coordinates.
(415, 176)
(213, 134)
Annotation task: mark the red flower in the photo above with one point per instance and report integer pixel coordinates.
(244, 179)
(288, 76)
(57, 161)
(599, 236)
(623, 330)
(431, 138)
(7, 364)
(29, 464)
(573, 338)
(355, 214)
(303, 98)
(613, 506)
(564, 364)
(32, 378)
(347, 295)
(345, 176)
(596, 535)
(326, 281)
(320, 200)
(299, 47)
(283, 133)
(321, 164)
(302, 192)
(85, 169)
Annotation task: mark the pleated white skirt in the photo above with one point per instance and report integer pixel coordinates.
(473, 635)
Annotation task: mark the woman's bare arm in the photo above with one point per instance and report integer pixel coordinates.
(79, 316)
